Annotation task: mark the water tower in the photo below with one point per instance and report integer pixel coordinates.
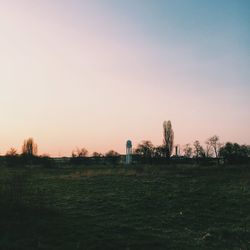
(129, 152)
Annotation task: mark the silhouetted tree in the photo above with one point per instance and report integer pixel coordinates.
(234, 153)
(12, 152)
(168, 138)
(145, 149)
(83, 152)
(214, 143)
(96, 154)
(208, 149)
(97, 158)
(29, 147)
(188, 151)
(12, 157)
(79, 156)
(112, 157)
(112, 153)
(159, 151)
(198, 150)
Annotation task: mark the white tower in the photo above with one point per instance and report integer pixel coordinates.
(128, 152)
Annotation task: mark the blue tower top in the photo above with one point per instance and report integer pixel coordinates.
(129, 144)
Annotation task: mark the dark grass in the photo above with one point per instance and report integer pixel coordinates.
(138, 208)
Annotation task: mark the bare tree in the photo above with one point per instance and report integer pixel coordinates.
(29, 147)
(12, 152)
(198, 149)
(83, 152)
(208, 149)
(188, 151)
(168, 138)
(214, 144)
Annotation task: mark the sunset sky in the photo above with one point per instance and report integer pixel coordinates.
(94, 73)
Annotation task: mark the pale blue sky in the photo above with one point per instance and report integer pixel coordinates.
(98, 72)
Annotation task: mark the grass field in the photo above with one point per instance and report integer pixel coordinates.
(117, 208)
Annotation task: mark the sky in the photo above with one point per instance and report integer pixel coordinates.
(94, 73)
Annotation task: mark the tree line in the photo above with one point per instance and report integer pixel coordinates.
(146, 151)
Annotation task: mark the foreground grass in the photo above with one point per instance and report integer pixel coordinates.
(137, 208)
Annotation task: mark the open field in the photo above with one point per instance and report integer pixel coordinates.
(117, 208)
